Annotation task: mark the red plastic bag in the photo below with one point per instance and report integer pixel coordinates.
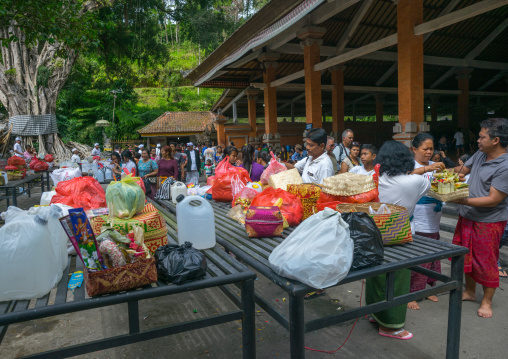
(40, 166)
(96, 158)
(321, 206)
(16, 161)
(246, 194)
(78, 192)
(291, 209)
(33, 162)
(48, 158)
(210, 180)
(273, 168)
(370, 196)
(225, 173)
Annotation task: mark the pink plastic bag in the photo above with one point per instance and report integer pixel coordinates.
(273, 168)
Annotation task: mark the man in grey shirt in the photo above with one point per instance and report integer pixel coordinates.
(342, 150)
(483, 215)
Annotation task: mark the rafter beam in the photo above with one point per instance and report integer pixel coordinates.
(300, 96)
(353, 25)
(458, 16)
(493, 80)
(237, 97)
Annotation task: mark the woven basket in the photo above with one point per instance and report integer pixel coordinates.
(308, 194)
(460, 193)
(282, 179)
(394, 227)
(12, 177)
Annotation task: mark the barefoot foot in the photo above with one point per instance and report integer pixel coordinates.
(485, 310)
(468, 296)
(433, 298)
(413, 305)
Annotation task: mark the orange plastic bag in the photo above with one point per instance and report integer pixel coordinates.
(291, 209)
(321, 206)
(78, 192)
(273, 168)
(370, 196)
(225, 173)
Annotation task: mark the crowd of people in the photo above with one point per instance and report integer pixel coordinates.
(404, 179)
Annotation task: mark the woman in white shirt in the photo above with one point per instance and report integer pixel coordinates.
(396, 186)
(427, 214)
(128, 162)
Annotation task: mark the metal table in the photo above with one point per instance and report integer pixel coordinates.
(47, 174)
(255, 253)
(223, 270)
(27, 184)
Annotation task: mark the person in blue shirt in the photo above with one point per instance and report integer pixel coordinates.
(299, 154)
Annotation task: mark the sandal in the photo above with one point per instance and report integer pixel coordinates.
(313, 295)
(395, 336)
(370, 319)
(502, 272)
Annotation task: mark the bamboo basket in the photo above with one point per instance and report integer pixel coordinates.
(282, 179)
(460, 193)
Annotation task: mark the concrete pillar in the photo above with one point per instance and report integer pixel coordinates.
(293, 111)
(221, 130)
(338, 108)
(410, 70)
(235, 113)
(269, 61)
(251, 94)
(463, 75)
(380, 100)
(311, 43)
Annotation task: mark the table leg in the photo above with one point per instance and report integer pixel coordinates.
(47, 181)
(14, 196)
(455, 309)
(133, 317)
(42, 183)
(248, 320)
(296, 327)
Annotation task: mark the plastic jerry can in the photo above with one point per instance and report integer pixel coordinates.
(195, 222)
(177, 189)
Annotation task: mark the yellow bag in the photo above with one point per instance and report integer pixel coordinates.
(125, 198)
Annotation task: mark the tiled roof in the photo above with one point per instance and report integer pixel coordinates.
(178, 122)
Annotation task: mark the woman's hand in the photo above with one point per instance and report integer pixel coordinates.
(442, 154)
(436, 166)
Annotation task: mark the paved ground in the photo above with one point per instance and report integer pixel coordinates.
(480, 338)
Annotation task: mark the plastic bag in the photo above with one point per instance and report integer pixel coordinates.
(319, 252)
(68, 164)
(64, 174)
(367, 240)
(225, 173)
(383, 209)
(370, 196)
(125, 198)
(273, 168)
(244, 197)
(40, 166)
(291, 208)
(238, 214)
(48, 158)
(331, 205)
(180, 264)
(34, 252)
(46, 197)
(79, 192)
(16, 161)
(210, 180)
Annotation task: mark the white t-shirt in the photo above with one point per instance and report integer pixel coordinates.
(403, 190)
(315, 171)
(361, 171)
(459, 138)
(96, 152)
(193, 161)
(426, 220)
(17, 147)
(75, 159)
(129, 166)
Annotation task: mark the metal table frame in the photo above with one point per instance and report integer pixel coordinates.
(223, 270)
(31, 181)
(255, 252)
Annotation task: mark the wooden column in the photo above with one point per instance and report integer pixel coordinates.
(251, 94)
(221, 130)
(311, 43)
(410, 70)
(269, 61)
(380, 100)
(338, 109)
(463, 75)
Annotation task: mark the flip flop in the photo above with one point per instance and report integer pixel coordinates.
(502, 273)
(370, 319)
(395, 336)
(313, 295)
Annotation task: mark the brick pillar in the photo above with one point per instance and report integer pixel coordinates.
(251, 110)
(410, 70)
(380, 100)
(463, 75)
(270, 96)
(338, 108)
(311, 43)
(221, 130)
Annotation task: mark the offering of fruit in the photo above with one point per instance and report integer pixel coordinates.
(446, 181)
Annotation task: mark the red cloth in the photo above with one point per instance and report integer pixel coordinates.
(482, 239)
(419, 281)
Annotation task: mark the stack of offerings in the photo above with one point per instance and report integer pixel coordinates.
(347, 188)
(16, 168)
(446, 186)
(308, 194)
(112, 262)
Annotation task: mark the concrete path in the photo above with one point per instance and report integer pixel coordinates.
(480, 338)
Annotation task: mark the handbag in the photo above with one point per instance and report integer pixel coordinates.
(148, 187)
(164, 188)
(264, 221)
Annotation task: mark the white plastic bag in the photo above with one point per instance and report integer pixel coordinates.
(64, 174)
(46, 197)
(319, 252)
(33, 253)
(383, 209)
(69, 164)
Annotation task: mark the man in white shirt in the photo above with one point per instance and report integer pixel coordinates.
(18, 151)
(96, 151)
(343, 149)
(158, 150)
(193, 164)
(75, 157)
(317, 166)
(458, 138)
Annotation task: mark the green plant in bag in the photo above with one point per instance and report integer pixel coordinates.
(125, 198)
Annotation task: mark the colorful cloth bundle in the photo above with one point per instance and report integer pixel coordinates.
(308, 194)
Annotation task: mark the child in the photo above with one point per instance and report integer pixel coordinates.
(209, 167)
(367, 155)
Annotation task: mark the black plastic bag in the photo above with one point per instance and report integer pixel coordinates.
(180, 264)
(368, 241)
(148, 187)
